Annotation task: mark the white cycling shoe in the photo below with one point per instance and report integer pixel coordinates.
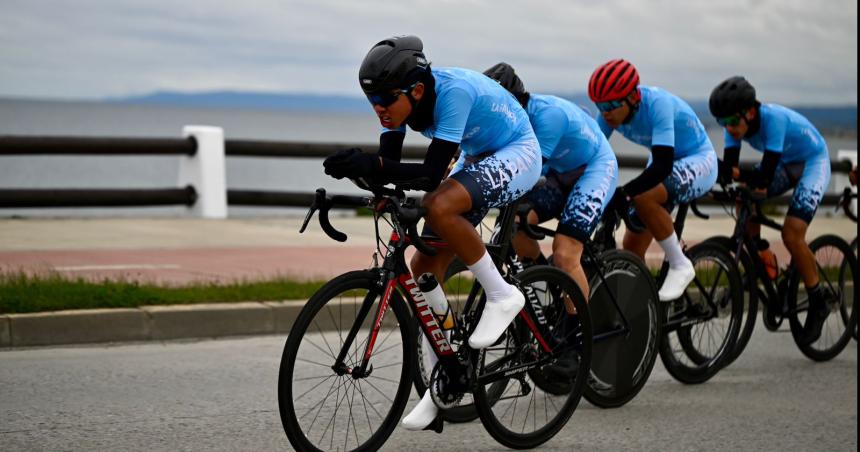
(495, 319)
(422, 415)
(676, 282)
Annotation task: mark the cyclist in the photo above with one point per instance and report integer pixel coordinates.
(499, 162)
(581, 173)
(682, 166)
(794, 155)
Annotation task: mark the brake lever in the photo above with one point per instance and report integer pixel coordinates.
(319, 198)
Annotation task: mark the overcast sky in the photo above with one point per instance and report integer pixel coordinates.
(794, 51)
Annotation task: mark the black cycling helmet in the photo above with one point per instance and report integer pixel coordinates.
(394, 63)
(732, 96)
(506, 76)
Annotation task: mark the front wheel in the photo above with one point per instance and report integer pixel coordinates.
(520, 405)
(626, 319)
(703, 325)
(324, 406)
(836, 264)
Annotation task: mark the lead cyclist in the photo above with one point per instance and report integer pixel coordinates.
(500, 162)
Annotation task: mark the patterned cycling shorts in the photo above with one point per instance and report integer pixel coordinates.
(809, 180)
(499, 178)
(691, 178)
(577, 198)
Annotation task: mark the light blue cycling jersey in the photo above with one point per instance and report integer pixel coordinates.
(664, 119)
(569, 137)
(475, 111)
(787, 132)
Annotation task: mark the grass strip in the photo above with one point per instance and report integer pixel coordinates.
(22, 293)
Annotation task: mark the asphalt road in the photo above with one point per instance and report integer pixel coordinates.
(221, 396)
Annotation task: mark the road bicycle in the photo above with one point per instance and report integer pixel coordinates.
(623, 306)
(625, 313)
(348, 363)
(781, 296)
(693, 334)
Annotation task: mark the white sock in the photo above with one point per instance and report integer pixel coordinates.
(491, 280)
(673, 251)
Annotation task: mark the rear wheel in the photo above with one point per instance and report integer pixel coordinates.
(623, 355)
(836, 264)
(532, 407)
(703, 325)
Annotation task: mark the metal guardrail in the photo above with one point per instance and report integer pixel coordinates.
(27, 145)
(62, 197)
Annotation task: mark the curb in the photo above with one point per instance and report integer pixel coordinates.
(148, 323)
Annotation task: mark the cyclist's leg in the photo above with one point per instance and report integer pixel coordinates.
(493, 181)
(807, 196)
(637, 242)
(547, 202)
(527, 248)
(585, 204)
(804, 203)
(691, 178)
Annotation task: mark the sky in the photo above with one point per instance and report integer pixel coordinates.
(797, 52)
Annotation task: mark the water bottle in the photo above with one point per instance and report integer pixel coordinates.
(435, 297)
(768, 258)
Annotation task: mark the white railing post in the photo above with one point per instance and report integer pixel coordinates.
(205, 171)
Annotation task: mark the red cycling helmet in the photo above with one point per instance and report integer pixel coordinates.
(613, 81)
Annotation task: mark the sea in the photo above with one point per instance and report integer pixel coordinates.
(105, 119)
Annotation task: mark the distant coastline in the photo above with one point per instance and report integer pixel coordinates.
(836, 120)
(839, 119)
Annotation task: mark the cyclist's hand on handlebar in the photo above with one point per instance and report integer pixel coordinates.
(351, 163)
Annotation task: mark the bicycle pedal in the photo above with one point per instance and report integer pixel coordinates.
(436, 425)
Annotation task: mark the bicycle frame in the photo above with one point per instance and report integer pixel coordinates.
(744, 242)
(592, 247)
(396, 276)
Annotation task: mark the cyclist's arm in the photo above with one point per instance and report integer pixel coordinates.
(435, 164)
(391, 145)
(774, 128)
(731, 162)
(662, 159)
(732, 156)
(762, 177)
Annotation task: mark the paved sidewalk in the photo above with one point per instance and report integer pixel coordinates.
(182, 251)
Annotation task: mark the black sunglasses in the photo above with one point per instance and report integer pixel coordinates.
(386, 98)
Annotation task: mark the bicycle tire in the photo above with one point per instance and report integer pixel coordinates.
(681, 347)
(854, 249)
(613, 381)
(546, 282)
(836, 333)
(333, 309)
(751, 298)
